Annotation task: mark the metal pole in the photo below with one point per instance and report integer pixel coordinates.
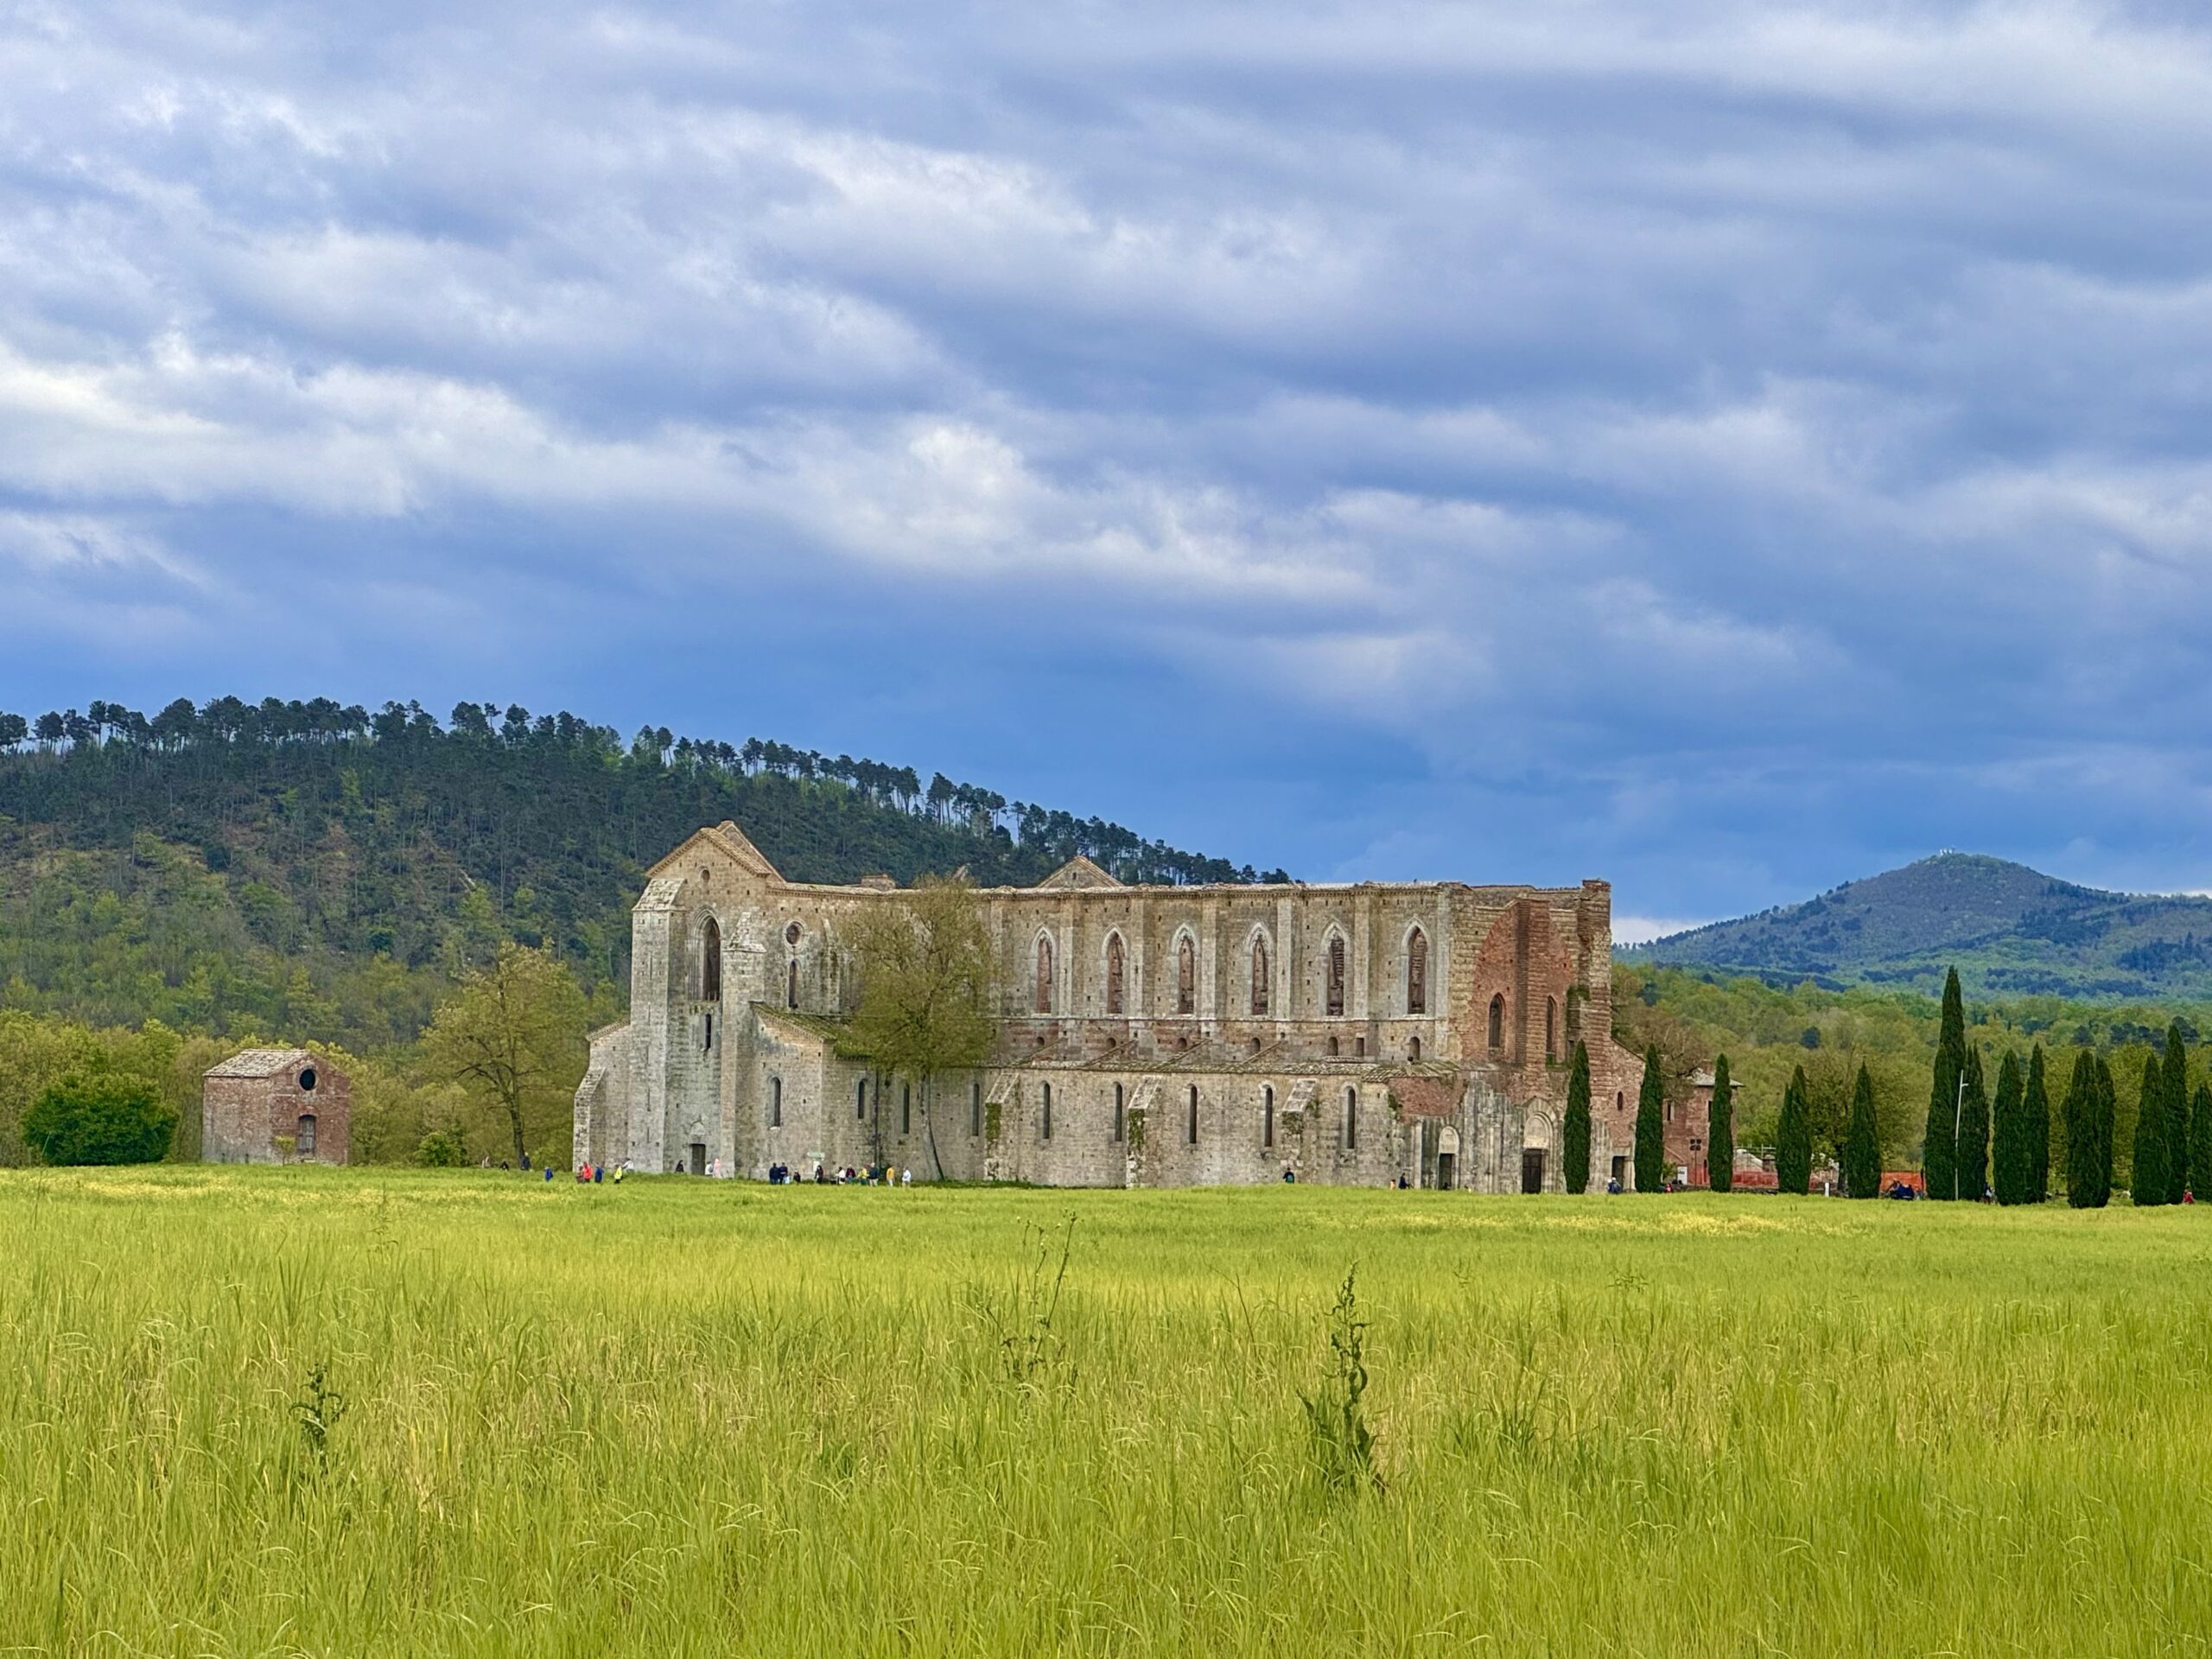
(1958, 1114)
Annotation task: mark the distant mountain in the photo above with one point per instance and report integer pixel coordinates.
(2010, 931)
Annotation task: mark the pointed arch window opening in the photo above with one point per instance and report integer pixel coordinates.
(1497, 1020)
(1551, 1029)
(1260, 977)
(1333, 999)
(775, 1102)
(1351, 1120)
(1043, 1001)
(1119, 1120)
(1114, 974)
(1417, 973)
(1186, 976)
(791, 984)
(1193, 1137)
(710, 963)
(1268, 1117)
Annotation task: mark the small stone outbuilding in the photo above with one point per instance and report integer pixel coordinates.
(275, 1106)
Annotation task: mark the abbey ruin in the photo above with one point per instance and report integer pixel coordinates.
(1150, 1036)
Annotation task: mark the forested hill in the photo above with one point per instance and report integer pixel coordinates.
(321, 870)
(2011, 931)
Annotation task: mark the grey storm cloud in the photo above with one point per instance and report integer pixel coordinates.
(1725, 446)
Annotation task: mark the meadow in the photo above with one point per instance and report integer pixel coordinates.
(677, 1417)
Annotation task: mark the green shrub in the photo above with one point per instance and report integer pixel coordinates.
(100, 1117)
(440, 1149)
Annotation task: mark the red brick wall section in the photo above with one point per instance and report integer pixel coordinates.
(1425, 1097)
(331, 1100)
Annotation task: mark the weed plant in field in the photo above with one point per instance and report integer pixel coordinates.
(687, 1417)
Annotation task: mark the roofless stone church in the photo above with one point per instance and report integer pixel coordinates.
(1151, 1036)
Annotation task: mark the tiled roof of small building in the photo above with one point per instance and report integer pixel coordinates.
(258, 1063)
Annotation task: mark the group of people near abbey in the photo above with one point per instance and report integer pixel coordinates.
(1364, 1033)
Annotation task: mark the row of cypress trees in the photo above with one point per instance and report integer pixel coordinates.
(1965, 1153)
(1974, 1145)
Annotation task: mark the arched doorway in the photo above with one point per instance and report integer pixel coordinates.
(1447, 1159)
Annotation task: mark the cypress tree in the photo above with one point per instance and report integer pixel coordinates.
(2088, 1187)
(1938, 1145)
(1574, 1134)
(2200, 1141)
(1720, 1131)
(1970, 1167)
(2011, 1166)
(1862, 1143)
(1793, 1138)
(1650, 1126)
(2035, 1109)
(2107, 1121)
(2177, 1115)
(2147, 1173)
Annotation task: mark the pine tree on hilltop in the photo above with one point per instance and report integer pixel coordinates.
(2011, 1166)
(1720, 1131)
(1862, 1143)
(1970, 1164)
(2089, 1171)
(1574, 1134)
(1793, 1138)
(1939, 1145)
(1651, 1127)
(2200, 1142)
(2035, 1109)
(2177, 1119)
(2146, 1176)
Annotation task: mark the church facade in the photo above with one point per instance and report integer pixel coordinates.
(1149, 1036)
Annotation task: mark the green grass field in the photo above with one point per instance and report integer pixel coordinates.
(680, 1417)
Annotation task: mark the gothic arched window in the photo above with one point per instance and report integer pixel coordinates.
(790, 985)
(1186, 976)
(1497, 1020)
(1044, 975)
(1259, 973)
(710, 963)
(1113, 973)
(1551, 1029)
(1334, 1001)
(1417, 973)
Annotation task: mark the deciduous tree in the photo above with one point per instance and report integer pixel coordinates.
(927, 1002)
(513, 1037)
(100, 1117)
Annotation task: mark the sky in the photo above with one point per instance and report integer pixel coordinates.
(1725, 448)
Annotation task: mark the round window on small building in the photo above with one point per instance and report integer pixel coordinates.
(306, 1079)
